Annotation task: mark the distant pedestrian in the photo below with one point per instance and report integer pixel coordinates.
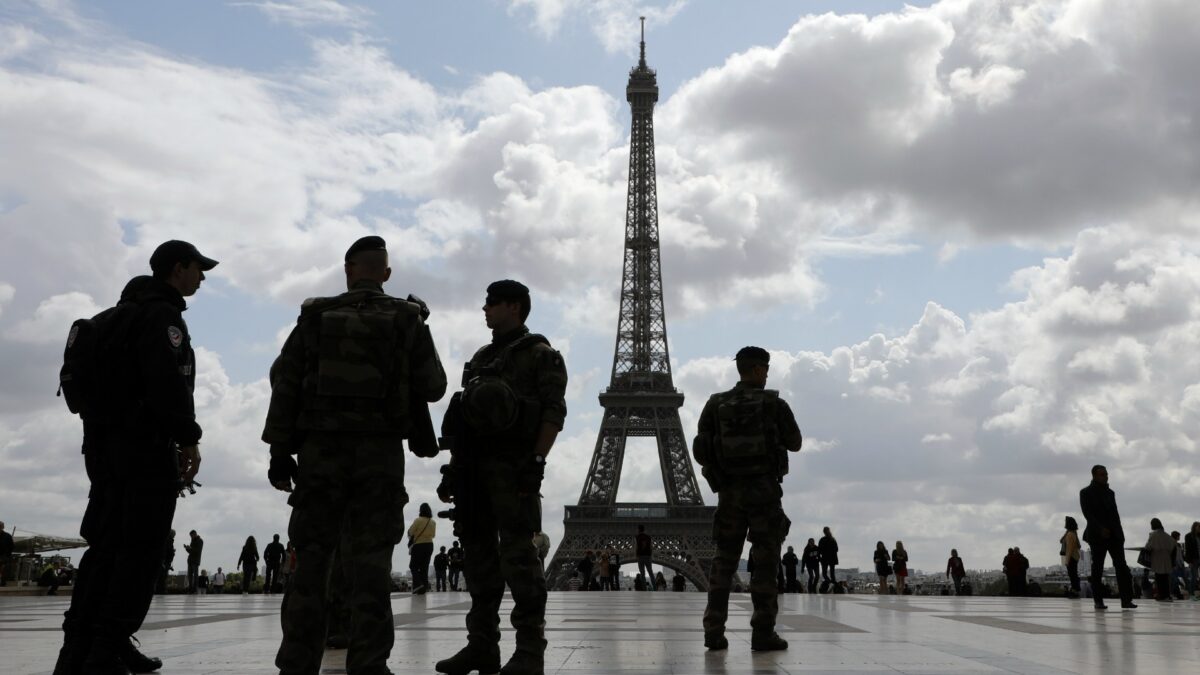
(6, 551)
(678, 583)
(420, 548)
(194, 550)
(202, 582)
(585, 568)
(1070, 550)
(604, 561)
(790, 562)
(541, 542)
(883, 568)
(440, 562)
(49, 578)
(645, 552)
(574, 583)
(812, 562)
(660, 582)
(1179, 573)
(273, 556)
(1162, 559)
(455, 558)
(248, 561)
(956, 570)
(1191, 556)
(828, 547)
(614, 563)
(289, 566)
(900, 566)
(1023, 575)
(1105, 536)
(218, 581)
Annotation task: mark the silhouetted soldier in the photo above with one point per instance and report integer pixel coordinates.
(351, 382)
(1105, 536)
(503, 423)
(741, 445)
(790, 562)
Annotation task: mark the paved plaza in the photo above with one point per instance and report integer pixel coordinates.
(650, 633)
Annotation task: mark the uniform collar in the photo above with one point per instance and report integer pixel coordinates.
(510, 336)
(747, 385)
(366, 285)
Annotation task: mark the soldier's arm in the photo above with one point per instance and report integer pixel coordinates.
(428, 375)
(167, 393)
(789, 430)
(287, 376)
(552, 393)
(704, 427)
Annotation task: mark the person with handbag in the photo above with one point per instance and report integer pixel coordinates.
(1160, 548)
(882, 566)
(1070, 551)
(420, 548)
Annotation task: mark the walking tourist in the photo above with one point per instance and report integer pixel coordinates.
(420, 548)
(604, 561)
(955, 570)
(1162, 559)
(194, 550)
(828, 547)
(202, 583)
(812, 561)
(741, 443)
(1179, 573)
(455, 557)
(218, 581)
(900, 566)
(1105, 537)
(614, 563)
(1191, 556)
(574, 583)
(273, 556)
(883, 568)
(440, 562)
(660, 581)
(1070, 551)
(645, 552)
(248, 561)
(586, 566)
(790, 562)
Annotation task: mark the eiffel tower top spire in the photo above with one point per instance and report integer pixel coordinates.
(641, 361)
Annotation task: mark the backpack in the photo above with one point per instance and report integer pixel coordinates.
(92, 380)
(489, 404)
(746, 431)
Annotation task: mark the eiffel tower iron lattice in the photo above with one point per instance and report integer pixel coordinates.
(641, 399)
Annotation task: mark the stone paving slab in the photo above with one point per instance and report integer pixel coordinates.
(653, 633)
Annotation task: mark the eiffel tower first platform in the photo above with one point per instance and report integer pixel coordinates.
(641, 399)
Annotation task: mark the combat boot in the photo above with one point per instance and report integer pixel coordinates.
(138, 662)
(524, 663)
(768, 643)
(471, 658)
(104, 658)
(715, 641)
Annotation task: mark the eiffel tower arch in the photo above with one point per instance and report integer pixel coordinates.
(641, 399)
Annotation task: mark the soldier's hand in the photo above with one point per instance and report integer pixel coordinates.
(529, 480)
(189, 462)
(282, 471)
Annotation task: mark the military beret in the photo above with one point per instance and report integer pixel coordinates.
(175, 251)
(368, 243)
(507, 289)
(753, 354)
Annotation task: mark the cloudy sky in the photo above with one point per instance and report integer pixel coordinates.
(966, 231)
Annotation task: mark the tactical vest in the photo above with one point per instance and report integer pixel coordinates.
(490, 406)
(747, 438)
(358, 363)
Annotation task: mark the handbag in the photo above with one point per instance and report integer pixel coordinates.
(1144, 557)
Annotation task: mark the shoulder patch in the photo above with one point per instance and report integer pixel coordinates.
(175, 336)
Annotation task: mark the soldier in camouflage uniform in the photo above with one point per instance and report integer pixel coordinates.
(744, 435)
(351, 382)
(503, 425)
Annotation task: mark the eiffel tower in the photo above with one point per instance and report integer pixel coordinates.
(641, 399)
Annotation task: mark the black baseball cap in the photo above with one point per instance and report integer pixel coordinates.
(175, 251)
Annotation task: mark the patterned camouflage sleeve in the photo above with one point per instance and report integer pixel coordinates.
(789, 430)
(287, 375)
(428, 375)
(706, 425)
(552, 386)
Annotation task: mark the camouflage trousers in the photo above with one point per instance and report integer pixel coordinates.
(496, 528)
(749, 505)
(349, 493)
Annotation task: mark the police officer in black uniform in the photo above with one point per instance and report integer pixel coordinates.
(139, 455)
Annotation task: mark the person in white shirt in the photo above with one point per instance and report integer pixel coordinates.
(218, 582)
